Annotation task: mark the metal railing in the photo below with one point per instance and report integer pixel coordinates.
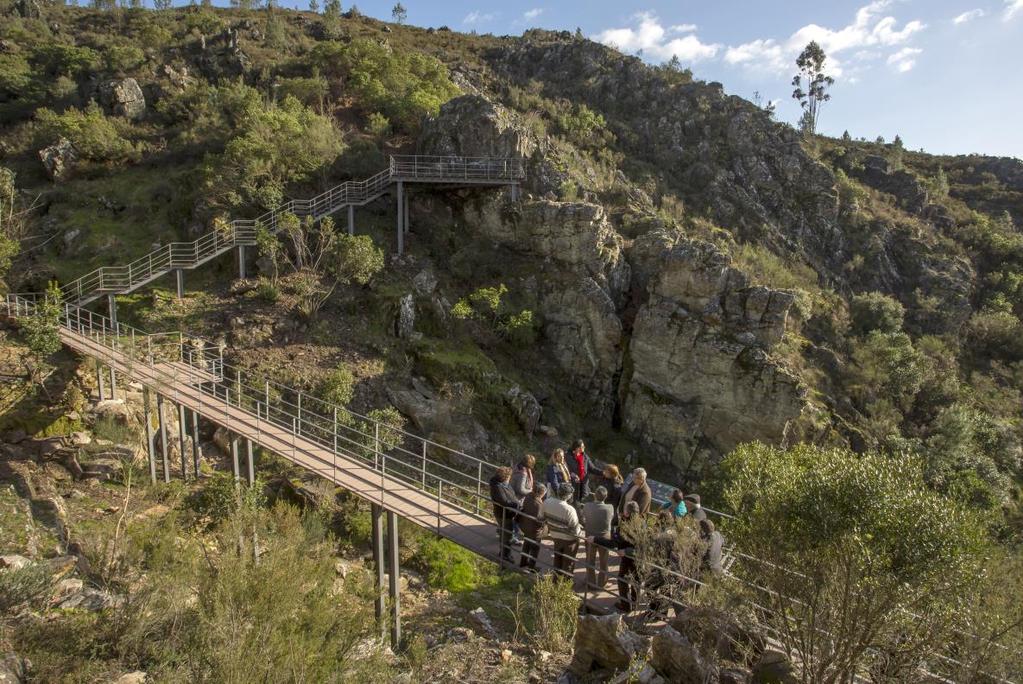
(121, 279)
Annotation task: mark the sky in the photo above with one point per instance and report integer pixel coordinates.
(945, 75)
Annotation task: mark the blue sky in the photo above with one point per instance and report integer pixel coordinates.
(943, 74)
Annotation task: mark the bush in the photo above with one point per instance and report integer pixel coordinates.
(94, 135)
(358, 259)
(555, 612)
(122, 58)
(216, 500)
(378, 124)
(447, 565)
(117, 432)
(24, 585)
(392, 423)
(875, 311)
(338, 387)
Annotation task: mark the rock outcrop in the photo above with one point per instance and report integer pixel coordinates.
(122, 97)
(59, 159)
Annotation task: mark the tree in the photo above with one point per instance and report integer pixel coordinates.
(846, 137)
(875, 311)
(811, 70)
(859, 563)
(314, 6)
(163, 4)
(14, 215)
(399, 13)
(41, 332)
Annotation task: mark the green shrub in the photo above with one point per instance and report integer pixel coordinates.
(392, 423)
(93, 135)
(447, 565)
(122, 58)
(58, 59)
(15, 74)
(24, 585)
(520, 328)
(555, 612)
(216, 500)
(358, 259)
(875, 311)
(338, 387)
(310, 91)
(110, 428)
(267, 290)
(378, 124)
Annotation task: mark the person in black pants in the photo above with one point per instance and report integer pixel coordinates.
(506, 506)
(623, 542)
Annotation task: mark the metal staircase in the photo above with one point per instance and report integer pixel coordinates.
(455, 171)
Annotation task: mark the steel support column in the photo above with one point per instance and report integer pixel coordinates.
(150, 435)
(241, 261)
(404, 220)
(112, 310)
(250, 461)
(99, 379)
(392, 571)
(376, 515)
(163, 437)
(196, 449)
(182, 433)
(113, 383)
(351, 219)
(400, 213)
(234, 459)
(179, 277)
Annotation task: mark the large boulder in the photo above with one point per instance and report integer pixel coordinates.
(678, 660)
(59, 159)
(602, 642)
(14, 669)
(122, 97)
(473, 126)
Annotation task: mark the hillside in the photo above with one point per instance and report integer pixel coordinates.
(681, 275)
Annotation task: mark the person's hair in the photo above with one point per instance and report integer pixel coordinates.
(706, 528)
(504, 473)
(631, 508)
(695, 498)
(664, 516)
(539, 490)
(529, 460)
(600, 494)
(558, 456)
(677, 496)
(565, 491)
(611, 472)
(578, 444)
(639, 472)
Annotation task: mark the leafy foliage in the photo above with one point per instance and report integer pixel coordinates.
(338, 387)
(94, 136)
(875, 311)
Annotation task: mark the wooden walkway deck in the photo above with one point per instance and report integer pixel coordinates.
(180, 383)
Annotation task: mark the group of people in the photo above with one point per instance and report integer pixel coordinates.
(564, 509)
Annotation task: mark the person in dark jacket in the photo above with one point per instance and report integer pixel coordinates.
(522, 484)
(557, 472)
(695, 510)
(638, 491)
(611, 480)
(623, 541)
(579, 467)
(506, 506)
(530, 519)
(714, 541)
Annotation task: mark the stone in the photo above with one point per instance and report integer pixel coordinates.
(547, 431)
(67, 587)
(90, 599)
(506, 655)
(473, 126)
(525, 407)
(14, 669)
(59, 159)
(639, 673)
(480, 621)
(80, 439)
(13, 561)
(719, 635)
(136, 677)
(774, 667)
(179, 77)
(15, 436)
(405, 322)
(602, 641)
(122, 97)
(425, 282)
(677, 659)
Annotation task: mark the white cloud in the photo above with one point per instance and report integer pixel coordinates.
(1012, 8)
(533, 13)
(650, 36)
(968, 16)
(477, 17)
(904, 59)
(869, 29)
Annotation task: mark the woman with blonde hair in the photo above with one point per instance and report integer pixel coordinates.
(557, 471)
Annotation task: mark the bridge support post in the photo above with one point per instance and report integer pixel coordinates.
(250, 462)
(405, 208)
(179, 277)
(241, 261)
(163, 437)
(113, 383)
(182, 434)
(150, 435)
(112, 310)
(234, 459)
(351, 219)
(400, 213)
(99, 379)
(196, 449)
(392, 570)
(376, 515)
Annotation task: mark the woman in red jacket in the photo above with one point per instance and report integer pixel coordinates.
(579, 465)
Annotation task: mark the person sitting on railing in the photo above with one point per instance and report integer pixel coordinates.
(522, 484)
(676, 505)
(693, 504)
(506, 505)
(556, 473)
(580, 466)
(638, 491)
(714, 541)
(531, 522)
(563, 525)
(597, 517)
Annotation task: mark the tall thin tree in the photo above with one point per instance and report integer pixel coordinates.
(811, 71)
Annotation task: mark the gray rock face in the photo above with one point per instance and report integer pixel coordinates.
(14, 669)
(525, 407)
(404, 325)
(909, 193)
(442, 421)
(123, 97)
(675, 657)
(473, 126)
(602, 642)
(59, 159)
(91, 599)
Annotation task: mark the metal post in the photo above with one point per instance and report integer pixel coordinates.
(241, 261)
(424, 464)
(196, 450)
(392, 570)
(401, 229)
(181, 437)
(299, 413)
(234, 459)
(112, 310)
(163, 437)
(334, 453)
(405, 220)
(250, 462)
(351, 219)
(113, 383)
(179, 275)
(150, 447)
(99, 378)
(377, 525)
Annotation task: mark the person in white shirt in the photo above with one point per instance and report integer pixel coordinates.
(563, 526)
